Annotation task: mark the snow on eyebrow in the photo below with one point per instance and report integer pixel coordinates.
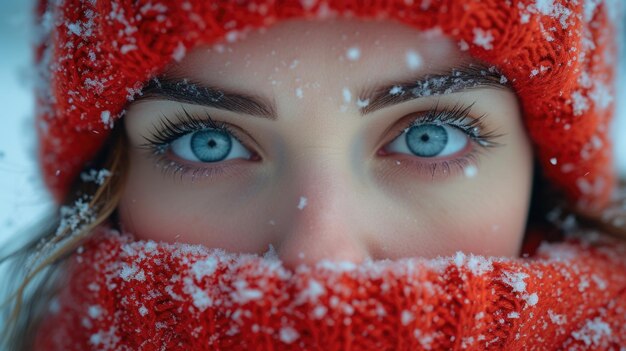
(395, 90)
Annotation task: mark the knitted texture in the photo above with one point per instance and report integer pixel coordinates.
(557, 55)
(141, 295)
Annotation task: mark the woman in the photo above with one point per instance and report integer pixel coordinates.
(287, 142)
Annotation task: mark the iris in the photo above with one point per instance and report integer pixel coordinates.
(210, 145)
(427, 140)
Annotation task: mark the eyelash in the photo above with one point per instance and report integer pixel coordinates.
(167, 131)
(457, 117)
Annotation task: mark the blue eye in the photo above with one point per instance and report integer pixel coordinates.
(430, 140)
(208, 145)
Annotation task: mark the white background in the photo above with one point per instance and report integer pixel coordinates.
(23, 198)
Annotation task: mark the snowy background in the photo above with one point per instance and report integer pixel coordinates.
(23, 198)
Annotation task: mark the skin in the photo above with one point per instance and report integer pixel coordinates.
(359, 203)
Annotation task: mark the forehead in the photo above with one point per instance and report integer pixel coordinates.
(320, 54)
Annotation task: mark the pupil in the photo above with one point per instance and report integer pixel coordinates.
(212, 143)
(425, 138)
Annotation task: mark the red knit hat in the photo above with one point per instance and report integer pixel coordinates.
(558, 56)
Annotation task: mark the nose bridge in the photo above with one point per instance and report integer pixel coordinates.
(322, 222)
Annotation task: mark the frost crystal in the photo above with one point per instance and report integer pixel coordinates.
(463, 45)
(347, 95)
(200, 299)
(105, 117)
(299, 93)
(179, 52)
(362, 103)
(244, 294)
(483, 38)
(308, 4)
(129, 273)
(593, 332)
(407, 317)
(556, 11)
(270, 254)
(413, 60)
(531, 299)
(516, 281)
(470, 171)
(601, 96)
(319, 312)
(126, 48)
(302, 203)
(315, 289)
(353, 53)
(94, 311)
(107, 338)
(395, 90)
(204, 268)
(74, 217)
(95, 176)
(288, 335)
(579, 103)
(556, 318)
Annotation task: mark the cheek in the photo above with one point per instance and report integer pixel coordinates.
(489, 216)
(483, 215)
(491, 227)
(494, 229)
(164, 208)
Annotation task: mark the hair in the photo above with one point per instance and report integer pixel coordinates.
(41, 270)
(31, 294)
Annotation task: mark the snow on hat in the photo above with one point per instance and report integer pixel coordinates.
(558, 56)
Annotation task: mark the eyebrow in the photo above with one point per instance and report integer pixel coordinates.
(456, 79)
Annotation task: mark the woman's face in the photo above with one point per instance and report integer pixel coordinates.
(362, 141)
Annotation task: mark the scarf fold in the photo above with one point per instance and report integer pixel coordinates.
(123, 294)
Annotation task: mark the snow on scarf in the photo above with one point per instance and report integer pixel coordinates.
(123, 294)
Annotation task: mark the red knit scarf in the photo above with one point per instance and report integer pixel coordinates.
(123, 294)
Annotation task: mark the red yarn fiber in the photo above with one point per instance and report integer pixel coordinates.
(125, 295)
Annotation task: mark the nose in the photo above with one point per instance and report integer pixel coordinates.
(322, 220)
